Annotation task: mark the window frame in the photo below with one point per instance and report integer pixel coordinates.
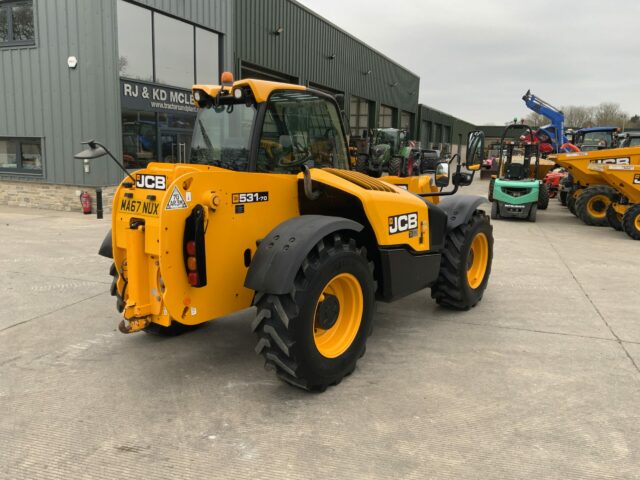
(7, 4)
(19, 170)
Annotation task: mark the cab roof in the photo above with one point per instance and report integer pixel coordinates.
(261, 89)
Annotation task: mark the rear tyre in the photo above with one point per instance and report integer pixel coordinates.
(571, 203)
(465, 265)
(533, 213)
(313, 336)
(543, 196)
(174, 329)
(631, 221)
(591, 206)
(614, 218)
(495, 211)
(395, 167)
(562, 195)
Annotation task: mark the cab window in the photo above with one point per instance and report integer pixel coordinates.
(300, 128)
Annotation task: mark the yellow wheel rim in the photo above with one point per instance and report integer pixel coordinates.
(636, 222)
(477, 260)
(338, 315)
(597, 206)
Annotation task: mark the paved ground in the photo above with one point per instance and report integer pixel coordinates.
(539, 381)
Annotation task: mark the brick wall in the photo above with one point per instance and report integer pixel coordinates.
(49, 196)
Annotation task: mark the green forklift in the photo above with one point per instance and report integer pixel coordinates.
(517, 191)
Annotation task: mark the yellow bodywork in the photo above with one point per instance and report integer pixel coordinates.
(261, 88)
(148, 232)
(415, 184)
(578, 163)
(625, 179)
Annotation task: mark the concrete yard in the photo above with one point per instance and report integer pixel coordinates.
(541, 380)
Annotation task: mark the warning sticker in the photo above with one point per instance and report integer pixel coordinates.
(636, 179)
(176, 201)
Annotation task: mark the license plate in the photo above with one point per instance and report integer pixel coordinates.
(140, 207)
(519, 207)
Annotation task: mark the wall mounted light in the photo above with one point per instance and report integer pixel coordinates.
(331, 57)
(368, 72)
(394, 84)
(72, 62)
(278, 30)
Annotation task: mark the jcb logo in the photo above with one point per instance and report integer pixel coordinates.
(151, 182)
(613, 161)
(403, 223)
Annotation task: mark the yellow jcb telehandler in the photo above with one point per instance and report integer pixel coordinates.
(267, 214)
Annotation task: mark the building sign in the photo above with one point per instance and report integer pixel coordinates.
(155, 98)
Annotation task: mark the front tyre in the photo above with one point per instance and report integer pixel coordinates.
(465, 265)
(395, 167)
(614, 218)
(631, 221)
(543, 196)
(592, 204)
(314, 335)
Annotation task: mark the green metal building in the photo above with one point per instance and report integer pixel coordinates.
(120, 71)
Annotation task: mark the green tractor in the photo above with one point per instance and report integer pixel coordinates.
(517, 191)
(386, 149)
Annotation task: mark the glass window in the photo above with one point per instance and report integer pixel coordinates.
(16, 23)
(207, 60)
(8, 154)
(385, 119)
(358, 115)
(300, 129)
(405, 121)
(173, 41)
(135, 53)
(21, 155)
(222, 136)
(139, 139)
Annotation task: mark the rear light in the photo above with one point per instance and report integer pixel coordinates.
(194, 248)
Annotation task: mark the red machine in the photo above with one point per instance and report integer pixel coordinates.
(85, 201)
(552, 180)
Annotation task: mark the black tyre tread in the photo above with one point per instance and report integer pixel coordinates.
(277, 312)
(612, 217)
(543, 196)
(491, 184)
(533, 213)
(495, 211)
(571, 203)
(448, 290)
(395, 166)
(581, 204)
(562, 196)
(628, 221)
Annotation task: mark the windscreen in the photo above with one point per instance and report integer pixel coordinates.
(222, 136)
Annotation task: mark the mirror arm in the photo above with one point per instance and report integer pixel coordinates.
(93, 144)
(456, 185)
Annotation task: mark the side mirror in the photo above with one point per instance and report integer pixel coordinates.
(442, 175)
(475, 150)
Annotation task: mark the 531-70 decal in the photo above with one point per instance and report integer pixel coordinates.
(251, 197)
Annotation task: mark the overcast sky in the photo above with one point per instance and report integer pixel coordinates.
(477, 58)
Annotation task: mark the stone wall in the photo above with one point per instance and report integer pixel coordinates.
(50, 196)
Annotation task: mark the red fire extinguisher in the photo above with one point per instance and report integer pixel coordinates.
(85, 200)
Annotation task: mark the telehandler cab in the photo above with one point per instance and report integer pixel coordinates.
(267, 214)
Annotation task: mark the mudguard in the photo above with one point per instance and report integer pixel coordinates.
(460, 208)
(106, 249)
(280, 254)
